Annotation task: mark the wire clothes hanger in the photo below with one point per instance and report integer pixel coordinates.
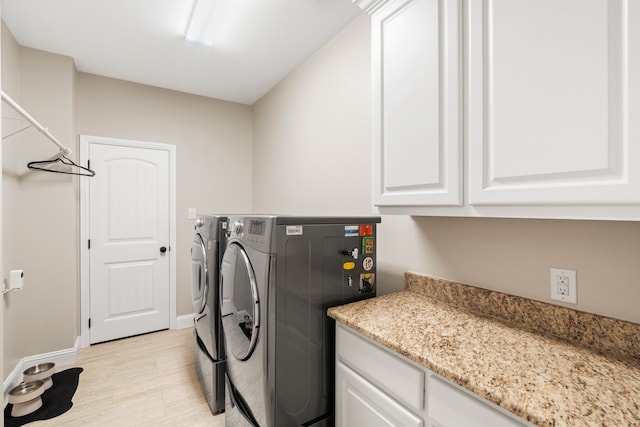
(49, 166)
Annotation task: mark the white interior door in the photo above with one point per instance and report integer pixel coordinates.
(129, 225)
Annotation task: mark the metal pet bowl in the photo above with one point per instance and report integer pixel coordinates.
(40, 372)
(25, 398)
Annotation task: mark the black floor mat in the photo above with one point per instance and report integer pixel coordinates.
(55, 401)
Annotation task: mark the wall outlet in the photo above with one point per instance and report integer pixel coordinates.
(564, 286)
(191, 214)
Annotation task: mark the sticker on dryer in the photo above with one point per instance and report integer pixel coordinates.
(367, 245)
(294, 230)
(351, 230)
(366, 230)
(367, 263)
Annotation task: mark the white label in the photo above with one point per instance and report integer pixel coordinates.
(351, 230)
(294, 230)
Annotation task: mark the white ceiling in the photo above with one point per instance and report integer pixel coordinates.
(259, 43)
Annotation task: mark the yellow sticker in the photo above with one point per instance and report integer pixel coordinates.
(349, 265)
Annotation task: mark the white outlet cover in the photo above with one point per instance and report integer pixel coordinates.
(557, 275)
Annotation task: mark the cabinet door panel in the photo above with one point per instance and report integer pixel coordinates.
(361, 404)
(552, 93)
(401, 379)
(416, 80)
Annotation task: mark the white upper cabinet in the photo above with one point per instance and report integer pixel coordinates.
(553, 114)
(506, 108)
(416, 90)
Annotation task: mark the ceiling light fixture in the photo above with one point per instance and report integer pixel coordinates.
(202, 24)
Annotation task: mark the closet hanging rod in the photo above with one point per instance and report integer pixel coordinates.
(65, 150)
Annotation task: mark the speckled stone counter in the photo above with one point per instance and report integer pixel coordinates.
(584, 373)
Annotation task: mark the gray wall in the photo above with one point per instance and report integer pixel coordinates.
(312, 134)
(41, 210)
(212, 140)
(309, 139)
(40, 215)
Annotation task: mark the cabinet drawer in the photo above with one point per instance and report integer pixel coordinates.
(400, 379)
(445, 402)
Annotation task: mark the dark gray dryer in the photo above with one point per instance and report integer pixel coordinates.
(279, 275)
(207, 248)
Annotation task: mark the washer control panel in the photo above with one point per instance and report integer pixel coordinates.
(254, 230)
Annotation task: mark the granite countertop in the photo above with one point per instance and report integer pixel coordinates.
(545, 379)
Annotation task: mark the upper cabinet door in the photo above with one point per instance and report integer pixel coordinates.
(417, 103)
(553, 102)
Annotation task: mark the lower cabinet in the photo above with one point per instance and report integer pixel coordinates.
(376, 387)
(361, 404)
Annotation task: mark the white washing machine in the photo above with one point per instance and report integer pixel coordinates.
(207, 248)
(279, 275)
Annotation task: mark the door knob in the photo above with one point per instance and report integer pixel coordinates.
(163, 249)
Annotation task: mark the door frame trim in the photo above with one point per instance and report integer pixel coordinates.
(85, 302)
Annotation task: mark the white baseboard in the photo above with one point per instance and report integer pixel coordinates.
(60, 358)
(185, 321)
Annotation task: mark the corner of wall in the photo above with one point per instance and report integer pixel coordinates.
(64, 357)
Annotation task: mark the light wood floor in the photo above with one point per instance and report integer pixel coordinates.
(149, 380)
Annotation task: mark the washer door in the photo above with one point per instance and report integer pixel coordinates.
(199, 274)
(241, 314)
